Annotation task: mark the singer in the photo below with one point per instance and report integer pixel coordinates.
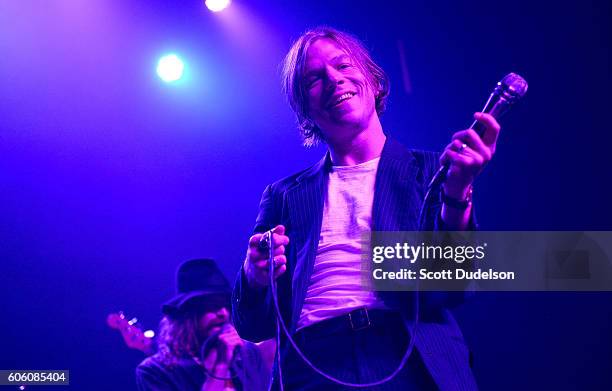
(365, 182)
(199, 315)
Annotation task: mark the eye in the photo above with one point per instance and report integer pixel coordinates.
(344, 65)
(311, 81)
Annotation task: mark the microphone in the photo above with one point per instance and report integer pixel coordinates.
(212, 342)
(507, 92)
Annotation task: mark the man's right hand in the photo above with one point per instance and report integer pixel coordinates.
(256, 264)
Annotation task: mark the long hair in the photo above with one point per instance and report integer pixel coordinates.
(293, 69)
(178, 338)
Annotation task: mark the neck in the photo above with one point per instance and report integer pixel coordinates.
(365, 145)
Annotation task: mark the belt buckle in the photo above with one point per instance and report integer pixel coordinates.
(362, 320)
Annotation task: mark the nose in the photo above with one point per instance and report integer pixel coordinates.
(223, 313)
(334, 77)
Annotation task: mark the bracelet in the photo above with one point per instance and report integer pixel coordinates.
(455, 203)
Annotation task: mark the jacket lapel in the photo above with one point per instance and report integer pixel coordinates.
(305, 202)
(396, 191)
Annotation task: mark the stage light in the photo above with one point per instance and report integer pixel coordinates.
(170, 68)
(149, 333)
(217, 5)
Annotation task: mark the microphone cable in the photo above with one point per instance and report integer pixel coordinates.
(280, 325)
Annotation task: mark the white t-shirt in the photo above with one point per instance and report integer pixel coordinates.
(336, 286)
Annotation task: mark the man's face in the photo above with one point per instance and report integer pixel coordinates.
(212, 321)
(340, 101)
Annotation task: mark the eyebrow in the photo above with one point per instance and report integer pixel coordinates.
(342, 56)
(338, 58)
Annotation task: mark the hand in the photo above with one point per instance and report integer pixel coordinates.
(468, 154)
(228, 341)
(219, 359)
(256, 264)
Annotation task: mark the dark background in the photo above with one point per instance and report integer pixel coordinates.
(110, 178)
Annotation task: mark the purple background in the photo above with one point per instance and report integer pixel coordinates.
(110, 178)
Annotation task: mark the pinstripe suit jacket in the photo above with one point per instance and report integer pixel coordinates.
(297, 203)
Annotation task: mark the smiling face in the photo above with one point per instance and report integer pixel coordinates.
(340, 100)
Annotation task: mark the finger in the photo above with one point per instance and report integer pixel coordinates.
(255, 239)
(239, 341)
(232, 335)
(255, 255)
(473, 140)
(228, 329)
(261, 265)
(258, 249)
(232, 342)
(279, 229)
(258, 258)
(456, 158)
(456, 145)
(473, 156)
(229, 336)
(462, 148)
(280, 240)
(279, 272)
(280, 260)
(280, 250)
(492, 128)
(458, 135)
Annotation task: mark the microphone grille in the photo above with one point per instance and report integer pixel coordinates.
(514, 85)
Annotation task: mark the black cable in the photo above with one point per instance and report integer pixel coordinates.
(280, 322)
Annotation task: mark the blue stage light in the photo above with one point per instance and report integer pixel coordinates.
(170, 68)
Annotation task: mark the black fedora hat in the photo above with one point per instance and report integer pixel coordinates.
(197, 280)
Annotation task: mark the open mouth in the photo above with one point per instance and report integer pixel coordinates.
(342, 98)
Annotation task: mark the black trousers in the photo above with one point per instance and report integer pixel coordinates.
(363, 351)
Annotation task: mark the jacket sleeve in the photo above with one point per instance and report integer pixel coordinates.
(434, 222)
(151, 378)
(252, 309)
(433, 219)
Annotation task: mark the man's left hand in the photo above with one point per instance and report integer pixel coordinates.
(468, 154)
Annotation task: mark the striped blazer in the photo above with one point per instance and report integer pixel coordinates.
(297, 203)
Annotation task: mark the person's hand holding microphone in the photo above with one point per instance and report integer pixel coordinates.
(256, 264)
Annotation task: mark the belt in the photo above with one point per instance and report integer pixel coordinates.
(356, 320)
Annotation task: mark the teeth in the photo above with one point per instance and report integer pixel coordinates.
(344, 97)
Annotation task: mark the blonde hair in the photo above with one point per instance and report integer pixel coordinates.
(177, 338)
(293, 69)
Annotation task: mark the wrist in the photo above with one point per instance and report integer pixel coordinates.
(460, 192)
(457, 199)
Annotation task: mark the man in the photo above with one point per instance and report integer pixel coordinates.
(198, 348)
(365, 182)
